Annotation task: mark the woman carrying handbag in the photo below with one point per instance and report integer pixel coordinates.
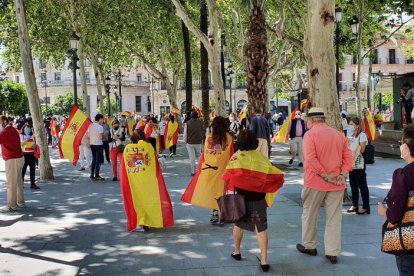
(398, 209)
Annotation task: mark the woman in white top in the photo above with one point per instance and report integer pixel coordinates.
(118, 137)
(358, 177)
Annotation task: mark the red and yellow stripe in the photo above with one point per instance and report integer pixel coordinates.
(369, 125)
(146, 199)
(75, 129)
(282, 135)
(171, 134)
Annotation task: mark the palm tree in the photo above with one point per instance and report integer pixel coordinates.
(257, 57)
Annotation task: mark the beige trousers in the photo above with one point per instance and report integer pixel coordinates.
(14, 182)
(312, 200)
(263, 147)
(297, 147)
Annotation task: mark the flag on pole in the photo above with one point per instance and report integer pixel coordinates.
(369, 125)
(198, 110)
(175, 110)
(243, 113)
(75, 128)
(282, 135)
(303, 104)
(130, 125)
(146, 199)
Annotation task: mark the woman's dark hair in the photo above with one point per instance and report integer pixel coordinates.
(343, 115)
(172, 118)
(26, 125)
(137, 136)
(154, 120)
(358, 123)
(246, 140)
(219, 129)
(408, 138)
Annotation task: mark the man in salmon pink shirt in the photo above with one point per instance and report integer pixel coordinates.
(13, 157)
(327, 161)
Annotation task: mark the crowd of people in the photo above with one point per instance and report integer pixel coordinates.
(229, 148)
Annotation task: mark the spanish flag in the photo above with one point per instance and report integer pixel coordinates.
(369, 125)
(175, 110)
(207, 185)
(130, 125)
(171, 134)
(149, 128)
(243, 113)
(303, 104)
(75, 129)
(142, 123)
(282, 135)
(110, 120)
(198, 110)
(146, 199)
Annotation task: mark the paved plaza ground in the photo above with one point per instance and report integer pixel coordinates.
(74, 226)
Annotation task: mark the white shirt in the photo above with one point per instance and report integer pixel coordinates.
(344, 124)
(162, 125)
(95, 134)
(355, 141)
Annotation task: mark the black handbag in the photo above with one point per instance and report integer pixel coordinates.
(398, 239)
(232, 207)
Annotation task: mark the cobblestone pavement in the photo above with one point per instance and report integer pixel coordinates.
(74, 226)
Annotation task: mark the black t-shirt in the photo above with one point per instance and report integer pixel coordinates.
(250, 196)
(47, 122)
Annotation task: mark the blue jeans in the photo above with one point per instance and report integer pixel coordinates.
(97, 159)
(405, 265)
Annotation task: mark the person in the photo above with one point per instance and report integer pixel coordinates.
(14, 161)
(344, 123)
(105, 140)
(21, 122)
(396, 200)
(261, 129)
(171, 134)
(28, 145)
(47, 122)
(54, 131)
(358, 176)
(146, 199)
(296, 133)
(96, 133)
(193, 137)
(234, 125)
(162, 126)
(118, 137)
(84, 153)
(280, 120)
(152, 133)
(327, 160)
(407, 98)
(257, 177)
(206, 185)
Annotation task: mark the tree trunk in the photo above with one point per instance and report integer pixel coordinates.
(188, 72)
(205, 97)
(257, 59)
(46, 170)
(359, 61)
(99, 80)
(321, 59)
(86, 105)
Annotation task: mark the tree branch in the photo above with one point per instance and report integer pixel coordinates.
(388, 38)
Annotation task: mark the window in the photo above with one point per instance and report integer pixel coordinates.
(353, 76)
(241, 104)
(227, 104)
(164, 110)
(58, 76)
(138, 107)
(42, 64)
(17, 79)
(87, 76)
(375, 56)
(391, 56)
(354, 59)
(340, 82)
(139, 77)
(410, 61)
(46, 100)
(149, 103)
(43, 77)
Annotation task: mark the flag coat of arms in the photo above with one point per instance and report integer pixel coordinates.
(146, 199)
(252, 171)
(206, 186)
(75, 128)
(171, 134)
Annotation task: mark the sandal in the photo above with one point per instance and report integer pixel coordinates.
(237, 257)
(214, 218)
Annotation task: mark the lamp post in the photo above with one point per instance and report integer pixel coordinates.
(108, 91)
(117, 101)
(338, 18)
(118, 77)
(230, 74)
(355, 31)
(74, 45)
(45, 85)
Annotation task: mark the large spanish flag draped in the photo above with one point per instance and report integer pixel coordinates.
(171, 134)
(146, 199)
(282, 135)
(369, 125)
(130, 125)
(75, 129)
(207, 185)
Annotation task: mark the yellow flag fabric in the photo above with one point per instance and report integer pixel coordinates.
(130, 125)
(110, 120)
(370, 128)
(243, 113)
(171, 134)
(75, 128)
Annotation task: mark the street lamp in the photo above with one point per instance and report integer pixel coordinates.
(45, 85)
(108, 91)
(118, 77)
(338, 18)
(74, 45)
(230, 74)
(355, 26)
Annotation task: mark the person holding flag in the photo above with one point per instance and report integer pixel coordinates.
(171, 134)
(252, 175)
(297, 130)
(152, 133)
(146, 199)
(206, 185)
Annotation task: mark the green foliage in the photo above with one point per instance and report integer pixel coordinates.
(386, 98)
(13, 98)
(63, 105)
(114, 107)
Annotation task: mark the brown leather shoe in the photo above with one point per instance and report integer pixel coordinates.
(332, 259)
(302, 249)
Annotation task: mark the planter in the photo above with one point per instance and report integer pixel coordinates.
(388, 125)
